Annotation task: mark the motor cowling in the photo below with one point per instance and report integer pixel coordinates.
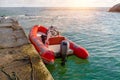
(64, 50)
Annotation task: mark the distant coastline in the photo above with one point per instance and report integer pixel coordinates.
(11, 11)
(59, 8)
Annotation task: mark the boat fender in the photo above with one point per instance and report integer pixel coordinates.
(64, 47)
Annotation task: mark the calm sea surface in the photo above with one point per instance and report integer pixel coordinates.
(95, 29)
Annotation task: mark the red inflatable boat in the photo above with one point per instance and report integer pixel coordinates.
(51, 47)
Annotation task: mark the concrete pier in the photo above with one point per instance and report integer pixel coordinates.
(18, 58)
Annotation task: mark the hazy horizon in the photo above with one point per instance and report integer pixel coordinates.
(58, 3)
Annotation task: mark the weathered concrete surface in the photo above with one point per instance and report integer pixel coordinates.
(18, 58)
(115, 8)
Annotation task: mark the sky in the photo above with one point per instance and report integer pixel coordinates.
(58, 3)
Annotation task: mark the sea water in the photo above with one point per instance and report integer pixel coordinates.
(96, 29)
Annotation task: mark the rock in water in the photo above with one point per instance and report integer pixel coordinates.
(115, 8)
(18, 58)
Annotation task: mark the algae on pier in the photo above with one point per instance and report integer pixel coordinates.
(18, 58)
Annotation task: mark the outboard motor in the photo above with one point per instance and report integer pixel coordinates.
(64, 50)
